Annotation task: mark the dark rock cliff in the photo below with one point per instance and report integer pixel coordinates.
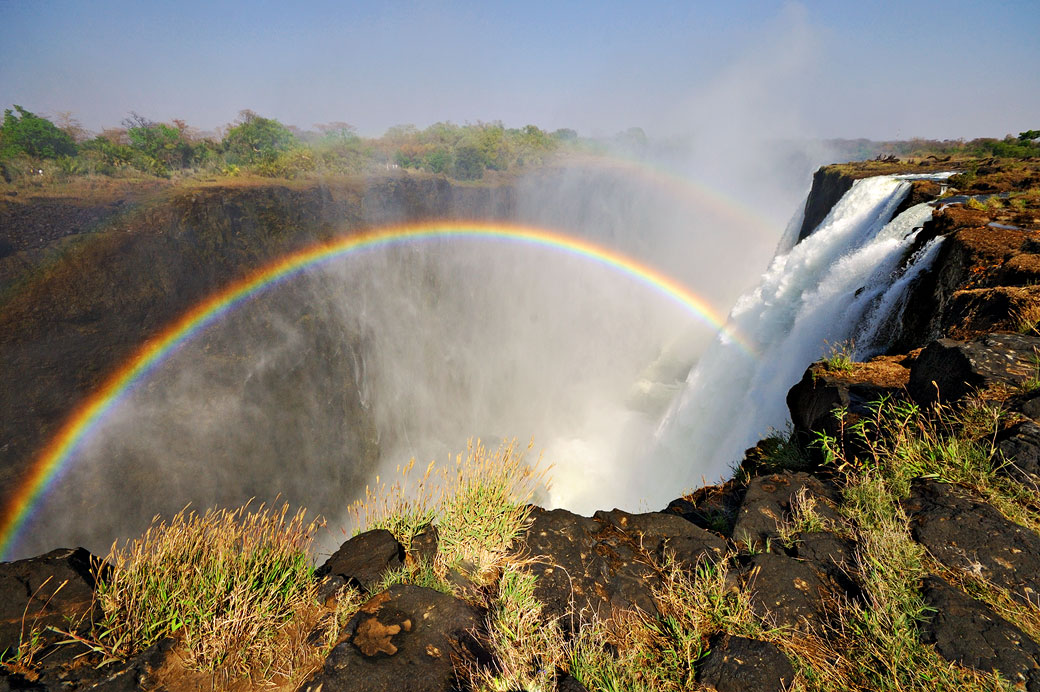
(84, 284)
(828, 186)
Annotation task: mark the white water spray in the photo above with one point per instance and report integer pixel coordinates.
(846, 281)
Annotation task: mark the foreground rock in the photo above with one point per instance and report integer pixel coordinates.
(969, 633)
(738, 664)
(55, 589)
(405, 638)
(947, 369)
(971, 537)
(603, 564)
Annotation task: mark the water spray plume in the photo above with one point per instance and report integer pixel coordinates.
(55, 458)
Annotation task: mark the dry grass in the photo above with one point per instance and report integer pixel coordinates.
(478, 503)
(226, 584)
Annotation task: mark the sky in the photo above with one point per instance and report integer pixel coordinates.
(880, 70)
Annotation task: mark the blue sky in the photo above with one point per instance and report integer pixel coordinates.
(814, 69)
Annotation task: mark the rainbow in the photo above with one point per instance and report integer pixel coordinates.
(47, 467)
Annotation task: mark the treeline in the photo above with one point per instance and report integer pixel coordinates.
(31, 145)
(1024, 145)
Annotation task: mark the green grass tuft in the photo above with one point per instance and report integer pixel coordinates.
(225, 583)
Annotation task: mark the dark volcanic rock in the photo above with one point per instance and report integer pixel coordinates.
(983, 310)
(51, 589)
(828, 187)
(404, 638)
(365, 558)
(948, 369)
(969, 633)
(738, 664)
(423, 546)
(812, 401)
(787, 591)
(712, 507)
(1020, 448)
(601, 564)
(769, 499)
(967, 535)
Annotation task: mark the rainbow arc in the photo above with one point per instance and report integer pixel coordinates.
(47, 468)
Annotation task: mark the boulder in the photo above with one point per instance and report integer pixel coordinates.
(968, 535)
(768, 501)
(788, 592)
(979, 311)
(812, 401)
(971, 634)
(1019, 448)
(365, 558)
(738, 664)
(602, 564)
(947, 369)
(713, 507)
(405, 638)
(52, 589)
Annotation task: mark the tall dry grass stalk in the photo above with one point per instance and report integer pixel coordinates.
(225, 583)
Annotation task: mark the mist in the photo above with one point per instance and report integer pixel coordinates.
(313, 388)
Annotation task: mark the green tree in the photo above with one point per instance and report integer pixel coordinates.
(31, 135)
(256, 139)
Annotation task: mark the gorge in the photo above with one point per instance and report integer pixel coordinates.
(890, 293)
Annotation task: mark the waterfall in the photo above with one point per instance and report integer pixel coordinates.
(846, 282)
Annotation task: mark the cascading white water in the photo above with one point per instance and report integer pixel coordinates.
(846, 281)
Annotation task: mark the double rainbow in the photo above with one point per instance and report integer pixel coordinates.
(47, 467)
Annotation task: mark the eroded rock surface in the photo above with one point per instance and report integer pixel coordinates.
(405, 638)
(603, 563)
(947, 369)
(365, 558)
(969, 633)
(738, 664)
(968, 535)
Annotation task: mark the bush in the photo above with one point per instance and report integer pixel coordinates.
(256, 140)
(30, 135)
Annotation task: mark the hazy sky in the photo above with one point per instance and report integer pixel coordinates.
(841, 68)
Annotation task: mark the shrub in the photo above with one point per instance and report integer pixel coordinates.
(31, 135)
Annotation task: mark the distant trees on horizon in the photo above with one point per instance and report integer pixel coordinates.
(29, 143)
(32, 145)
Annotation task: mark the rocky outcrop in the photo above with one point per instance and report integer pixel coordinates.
(405, 638)
(605, 564)
(828, 186)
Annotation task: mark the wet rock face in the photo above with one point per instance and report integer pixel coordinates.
(601, 564)
(969, 536)
(969, 633)
(738, 664)
(405, 638)
(827, 188)
(947, 369)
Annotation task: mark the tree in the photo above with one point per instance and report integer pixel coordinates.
(256, 139)
(1028, 136)
(29, 134)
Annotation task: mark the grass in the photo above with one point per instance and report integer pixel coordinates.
(237, 591)
(840, 357)
(478, 503)
(225, 583)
